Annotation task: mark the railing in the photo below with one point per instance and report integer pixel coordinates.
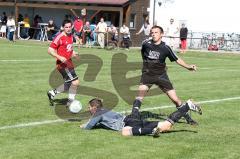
(224, 41)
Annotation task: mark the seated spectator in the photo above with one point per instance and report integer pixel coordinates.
(51, 30)
(114, 33)
(87, 33)
(126, 35)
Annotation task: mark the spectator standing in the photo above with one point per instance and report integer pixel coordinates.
(78, 26)
(3, 29)
(183, 38)
(101, 29)
(26, 26)
(11, 27)
(171, 33)
(146, 27)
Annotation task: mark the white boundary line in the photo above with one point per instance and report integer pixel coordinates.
(61, 120)
(33, 60)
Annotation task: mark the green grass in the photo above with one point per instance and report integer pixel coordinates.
(23, 86)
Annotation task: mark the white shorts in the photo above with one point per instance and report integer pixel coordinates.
(3, 29)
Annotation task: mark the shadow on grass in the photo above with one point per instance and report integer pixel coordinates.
(182, 130)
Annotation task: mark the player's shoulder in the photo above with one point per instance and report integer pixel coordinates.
(147, 42)
(58, 36)
(166, 46)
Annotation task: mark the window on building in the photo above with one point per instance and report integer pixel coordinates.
(132, 21)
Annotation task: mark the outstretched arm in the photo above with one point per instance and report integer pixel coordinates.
(74, 13)
(185, 65)
(140, 31)
(91, 123)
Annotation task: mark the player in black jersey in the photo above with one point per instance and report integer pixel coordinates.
(154, 53)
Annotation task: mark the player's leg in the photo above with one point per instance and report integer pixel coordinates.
(166, 86)
(176, 116)
(174, 98)
(71, 83)
(52, 93)
(59, 89)
(142, 91)
(73, 79)
(73, 89)
(127, 131)
(137, 127)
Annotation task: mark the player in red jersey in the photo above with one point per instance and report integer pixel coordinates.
(61, 48)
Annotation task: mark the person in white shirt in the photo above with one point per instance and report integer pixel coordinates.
(101, 29)
(171, 33)
(146, 27)
(11, 27)
(124, 30)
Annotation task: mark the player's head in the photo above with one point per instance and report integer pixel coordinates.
(156, 33)
(94, 104)
(67, 26)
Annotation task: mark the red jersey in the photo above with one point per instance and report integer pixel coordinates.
(78, 25)
(64, 46)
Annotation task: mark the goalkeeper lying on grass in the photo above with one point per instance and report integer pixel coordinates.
(133, 125)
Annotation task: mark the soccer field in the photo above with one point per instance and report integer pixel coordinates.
(30, 128)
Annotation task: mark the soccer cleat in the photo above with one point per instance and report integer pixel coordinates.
(50, 97)
(156, 132)
(69, 101)
(194, 107)
(192, 122)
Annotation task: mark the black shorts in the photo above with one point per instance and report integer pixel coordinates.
(162, 81)
(68, 74)
(78, 34)
(137, 123)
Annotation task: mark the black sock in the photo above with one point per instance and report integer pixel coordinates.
(135, 110)
(137, 103)
(136, 131)
(177, 115)
(186, 116)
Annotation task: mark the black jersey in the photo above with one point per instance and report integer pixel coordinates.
(154, 57)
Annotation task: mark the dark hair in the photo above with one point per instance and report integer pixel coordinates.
(95, 102)
(158, 27)
(66, 21)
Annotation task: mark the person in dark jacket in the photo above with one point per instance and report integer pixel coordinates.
(183, 38)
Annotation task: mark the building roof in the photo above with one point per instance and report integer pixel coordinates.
(103, 2)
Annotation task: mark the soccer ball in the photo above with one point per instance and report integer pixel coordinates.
(75, 106)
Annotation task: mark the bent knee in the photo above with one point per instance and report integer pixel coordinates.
(76, 83)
